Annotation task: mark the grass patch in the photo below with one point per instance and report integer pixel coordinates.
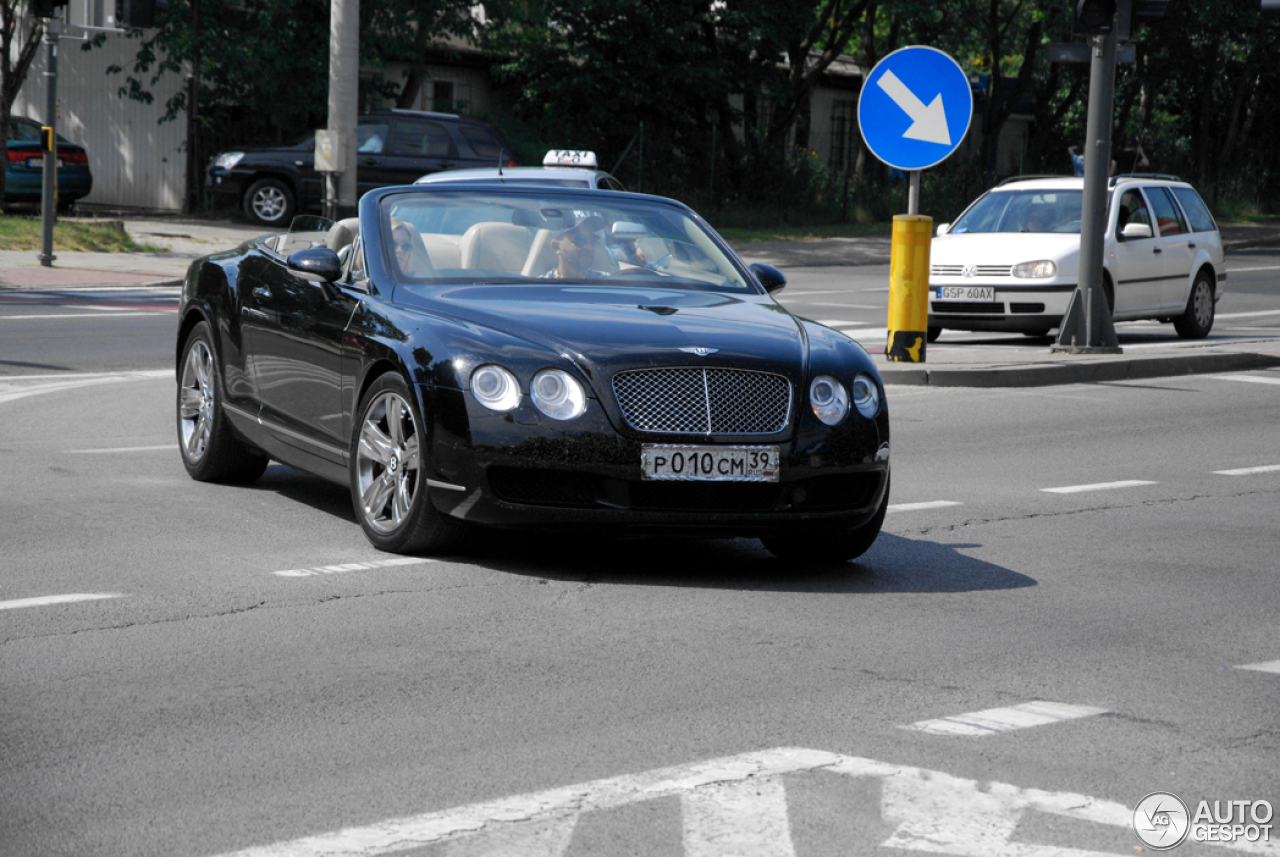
(23, 233)
(804, 233)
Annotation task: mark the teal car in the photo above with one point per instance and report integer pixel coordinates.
(24, 169)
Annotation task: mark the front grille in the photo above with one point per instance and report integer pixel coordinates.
(1034, 308)
(704, 496)
(979, 270)
(842, 491)
(703, 401)
(975, 308)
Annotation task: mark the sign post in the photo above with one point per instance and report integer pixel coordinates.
(913, 113)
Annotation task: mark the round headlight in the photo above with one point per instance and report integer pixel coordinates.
(558, 394)
(829, 400)
(866, 396)
(495, 387)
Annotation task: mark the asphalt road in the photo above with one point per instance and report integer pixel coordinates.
(1008, 671)
(124, 329)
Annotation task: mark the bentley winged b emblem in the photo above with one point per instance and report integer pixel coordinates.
(699, 350)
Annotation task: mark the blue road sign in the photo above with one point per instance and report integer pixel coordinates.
(915, 107)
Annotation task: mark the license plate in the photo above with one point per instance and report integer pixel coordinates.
(38, 163)
(964, 293)
(709, 463)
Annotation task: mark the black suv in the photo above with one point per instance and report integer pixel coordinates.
(392, 147)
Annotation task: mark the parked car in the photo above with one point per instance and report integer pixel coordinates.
(560, 167)
(393, 147)
(24, 168)
(1010, 261)
(487, 356)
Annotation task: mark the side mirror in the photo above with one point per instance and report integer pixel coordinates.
(316, 265)
(1136, 230)
(769, 277)
(944, 228)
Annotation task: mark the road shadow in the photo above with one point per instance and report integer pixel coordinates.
(302, 487)
(893, 564)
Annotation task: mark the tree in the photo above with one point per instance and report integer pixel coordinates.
(14, 65)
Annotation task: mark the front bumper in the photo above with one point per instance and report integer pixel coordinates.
(519, 471)
(1015, 308)
(226, 182)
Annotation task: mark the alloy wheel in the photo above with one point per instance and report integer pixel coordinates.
(387, 462)
(195, 408)
(268, 203)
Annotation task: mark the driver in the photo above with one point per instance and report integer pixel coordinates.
(575, 250)
(1037, 220)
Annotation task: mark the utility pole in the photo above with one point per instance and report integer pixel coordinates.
(344, 107)
(49, 194)
(1086, 327)
(195, 164)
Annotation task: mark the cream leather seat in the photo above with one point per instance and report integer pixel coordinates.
(496, 247)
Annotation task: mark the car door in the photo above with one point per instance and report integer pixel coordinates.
(373, 136)
(418, 147)
(298, 346)
(1178, 248)
(1137, 266)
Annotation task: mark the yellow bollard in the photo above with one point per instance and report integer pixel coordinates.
(909, 287)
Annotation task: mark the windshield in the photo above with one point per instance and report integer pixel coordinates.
(1023, 211)
(514, 237)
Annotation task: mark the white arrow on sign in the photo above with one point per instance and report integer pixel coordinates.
(928, 123)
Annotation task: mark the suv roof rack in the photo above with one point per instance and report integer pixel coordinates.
(1139, 176)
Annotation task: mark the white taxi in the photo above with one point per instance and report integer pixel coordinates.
(560, 168)
(1010, 261)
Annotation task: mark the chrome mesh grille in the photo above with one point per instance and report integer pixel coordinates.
(703, 401)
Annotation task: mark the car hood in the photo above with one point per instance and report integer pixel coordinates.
(1001, 248)
(606, 329)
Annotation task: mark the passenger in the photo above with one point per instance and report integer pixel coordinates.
(575, 250)
(411, 254)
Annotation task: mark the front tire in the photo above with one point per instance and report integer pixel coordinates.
(931, 334)
(389, 469)
(210, 452)
(1197, 319)
(269, 202)
(839, 547)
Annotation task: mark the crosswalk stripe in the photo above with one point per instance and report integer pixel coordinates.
(993, 720)
(1249, 471)
(917, 507)
(46, 600)
(1252, 379)
(351, 566)
(122, 449)
(1098, 486)
(1265, 667)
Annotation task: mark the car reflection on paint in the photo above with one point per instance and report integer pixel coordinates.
(532, 358)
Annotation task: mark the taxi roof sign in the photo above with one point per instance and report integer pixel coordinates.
(570, 158)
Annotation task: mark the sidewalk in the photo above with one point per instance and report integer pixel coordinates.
(950, 365)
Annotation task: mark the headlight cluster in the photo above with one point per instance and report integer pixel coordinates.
(227, 160)
(830, 400)
(554, 392)
(1035, 270)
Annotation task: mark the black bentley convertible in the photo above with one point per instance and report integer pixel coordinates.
(537, 358)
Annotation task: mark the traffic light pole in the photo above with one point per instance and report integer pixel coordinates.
(49, 194)
(1086, 327)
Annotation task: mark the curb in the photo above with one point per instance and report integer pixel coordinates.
(151, 284)
(1045, 375)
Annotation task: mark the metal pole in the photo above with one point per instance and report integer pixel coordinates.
(195, 165)
(49, 195)
(913, 193)
(712, 202)
(640, 157)
(344, 97)
(1086, 327)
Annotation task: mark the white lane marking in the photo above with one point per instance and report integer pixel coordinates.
(1252, 379)
(45, 600)
(1098, 486)
(845, 305)
(994, 720)
(839, 322)
(10, 390)
(122, 449)
(352, 566)
(88, 314)
(1266, 667)
(149, 290)
(917, 507)
(930, 811)
(744, 817)
(1263, 268)
(1249, 471)
(1247, 314)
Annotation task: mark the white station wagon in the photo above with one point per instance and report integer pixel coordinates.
(1010, 261)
